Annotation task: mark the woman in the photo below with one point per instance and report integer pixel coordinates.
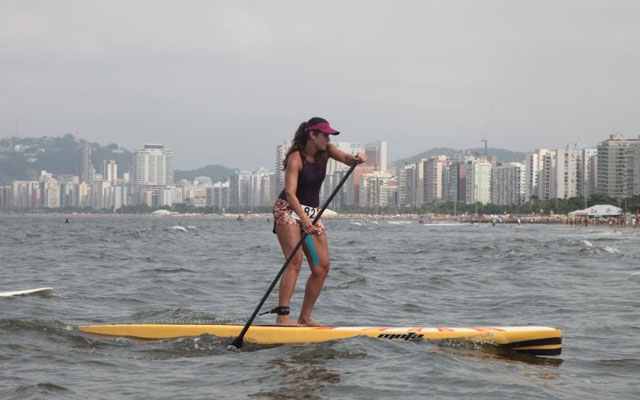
(305, 168)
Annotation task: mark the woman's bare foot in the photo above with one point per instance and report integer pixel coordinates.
(309, 322)
(285, 320)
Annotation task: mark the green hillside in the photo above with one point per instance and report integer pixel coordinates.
(24, 158)
(502, 155)
(217, 173)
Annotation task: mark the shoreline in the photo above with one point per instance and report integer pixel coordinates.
(424, 219)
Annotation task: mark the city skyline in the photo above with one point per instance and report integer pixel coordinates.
(224, 81)
(612, 169)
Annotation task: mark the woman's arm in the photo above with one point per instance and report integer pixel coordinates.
(348, 159)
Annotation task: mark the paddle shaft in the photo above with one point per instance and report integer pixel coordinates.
(238, 342)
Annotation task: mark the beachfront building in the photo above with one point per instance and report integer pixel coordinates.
(434, 169)
(110, 171)
(407, 181)
(335, 172)
(420, 182)
(377, 189)
(450, 181)
(195, 193)
(259, 188)
(561, 173)
(508, 184)
(239, 189)
(458, 181)
(281, 154)
(87, 171)
(5, 196)
(153, 175)
(26, 194)
(51, 191)
(478, 181)
(534, 167)
(619, 167)
(589, 172)
(376, 155)
(219, 195)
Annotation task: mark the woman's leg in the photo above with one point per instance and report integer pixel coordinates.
(316, 279)
(288, 235)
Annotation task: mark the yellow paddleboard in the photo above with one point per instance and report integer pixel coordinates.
(535, 340)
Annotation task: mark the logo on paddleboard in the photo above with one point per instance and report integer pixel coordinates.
(401, 336)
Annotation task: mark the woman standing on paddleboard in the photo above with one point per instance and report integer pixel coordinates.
(295, 208)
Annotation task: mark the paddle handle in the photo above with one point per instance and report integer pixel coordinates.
(238, 342)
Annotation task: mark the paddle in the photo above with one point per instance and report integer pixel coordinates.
(240, 339)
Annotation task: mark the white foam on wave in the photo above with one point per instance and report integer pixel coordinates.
(611, 250)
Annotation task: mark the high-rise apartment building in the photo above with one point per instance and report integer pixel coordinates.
(478, 183)
(534, 165)
(619, 167)
(110, 171)
(376, 155)
(508, 184)
(407, 181)
(153, 165)
(434, 178)
(377, 189)
(239, 189)
(153, 172)
(589, 173)
(336, 170)
(281, 154)
(85, 162)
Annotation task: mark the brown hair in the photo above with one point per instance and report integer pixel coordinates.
(300, 141)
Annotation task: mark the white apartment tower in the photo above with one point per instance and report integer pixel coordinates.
(478, 184)
(153, 165)
(568, 174)
(110, 171)
(153, 171)
(533, 165)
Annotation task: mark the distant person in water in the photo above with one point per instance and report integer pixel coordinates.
(294, 210)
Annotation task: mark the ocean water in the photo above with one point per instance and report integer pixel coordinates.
(119, 269)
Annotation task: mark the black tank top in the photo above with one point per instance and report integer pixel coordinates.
(309, 183)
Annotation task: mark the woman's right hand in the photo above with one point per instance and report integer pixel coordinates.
(307, 224)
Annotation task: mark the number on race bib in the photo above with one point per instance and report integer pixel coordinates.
(309, 211)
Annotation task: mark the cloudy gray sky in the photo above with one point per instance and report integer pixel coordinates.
(225, 82)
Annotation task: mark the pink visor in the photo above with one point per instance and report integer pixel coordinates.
(322, 127)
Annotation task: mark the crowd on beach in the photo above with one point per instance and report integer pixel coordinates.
(614, 222)
(629, 221)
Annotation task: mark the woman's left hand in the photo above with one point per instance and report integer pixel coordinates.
(360, 158)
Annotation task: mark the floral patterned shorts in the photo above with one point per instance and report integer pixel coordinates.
(282, 216)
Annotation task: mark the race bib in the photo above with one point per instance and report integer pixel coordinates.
(310, 211)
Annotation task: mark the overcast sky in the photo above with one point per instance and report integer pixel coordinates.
(225, 82)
